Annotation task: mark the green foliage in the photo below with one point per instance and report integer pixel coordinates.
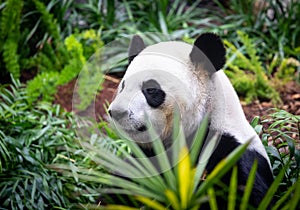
(120, 18)
(86, 45)
(48, 20)
(247, 73)
(280, 133)
(30, 32)
(57, 70)
(43, 87)
(283, 130)
(273, 23)
(31, 138)
(18, 45)
(88, 84)
(283, 70)
(165, 16)
(10, 35)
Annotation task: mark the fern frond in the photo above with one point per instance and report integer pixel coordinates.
(11, 58)
(43, 86)
(48, 20)
(10, 19)
(10, 34)
(249, 76)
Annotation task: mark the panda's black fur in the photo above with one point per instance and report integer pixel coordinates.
(263, 177)
(155, 96)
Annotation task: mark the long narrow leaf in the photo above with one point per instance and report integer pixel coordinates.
(203, 160)
(163, 160)
(151, 203)
(139, 154)
(272, 190)
(173, 199)
(296, 196)
(212, 199)
(232, 189)
(184, 177)
(132, 167)
(284, 198)
(222, 168)
(177, 137)
(117, 207)
(113, 162)
(178, 143)
(117, 164)
(198, 140)
(249, 186)
(123, 185)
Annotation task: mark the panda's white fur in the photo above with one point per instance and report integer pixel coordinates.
(195, 95)
(234, 121)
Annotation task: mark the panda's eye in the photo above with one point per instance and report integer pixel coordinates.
(153, 93)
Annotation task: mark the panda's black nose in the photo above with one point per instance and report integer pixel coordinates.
(117, 114)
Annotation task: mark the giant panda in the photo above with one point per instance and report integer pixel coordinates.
(173, 74)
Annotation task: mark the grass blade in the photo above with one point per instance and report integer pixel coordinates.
(162, 159)
(198, 140)
(203, 160)
(272, 190)
(284, 198)
(232, 189)
(296, 196)
(184, 177)
(173, 199)
(222, 168)
(143, 160)
(212, 199)
(249, 186)
(117, 207)
(151, 203)
(177, 137)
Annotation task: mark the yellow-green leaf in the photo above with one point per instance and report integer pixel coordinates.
(118, 207)
(184, 176)
(173, 199)
(212, 199)
(151, 203)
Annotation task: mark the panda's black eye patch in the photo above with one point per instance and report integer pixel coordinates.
(153, 93)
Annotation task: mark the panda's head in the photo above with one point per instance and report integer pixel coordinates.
(163, 77)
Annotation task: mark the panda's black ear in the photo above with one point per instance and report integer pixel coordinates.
(135, 47)
(212, 46)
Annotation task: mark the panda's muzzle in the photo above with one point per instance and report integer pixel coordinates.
(117, 114)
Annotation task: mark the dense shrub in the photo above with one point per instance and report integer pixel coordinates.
(247, 74)
(272, 23)
(280, 132)
(32, 137)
